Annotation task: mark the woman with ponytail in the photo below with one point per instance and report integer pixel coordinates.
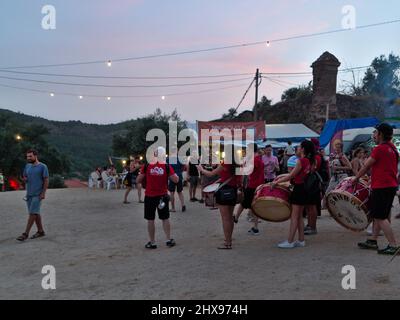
(299, 198)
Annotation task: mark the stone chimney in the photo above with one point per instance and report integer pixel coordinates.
(325, 70)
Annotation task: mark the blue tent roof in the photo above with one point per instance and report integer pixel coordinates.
(333, 126)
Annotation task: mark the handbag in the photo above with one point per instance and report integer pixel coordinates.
(226, 193)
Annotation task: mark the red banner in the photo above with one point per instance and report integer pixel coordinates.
(258, 127)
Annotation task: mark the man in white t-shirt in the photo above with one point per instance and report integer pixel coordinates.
(289, 152)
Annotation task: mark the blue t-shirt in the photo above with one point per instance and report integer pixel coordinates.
(176, 165)
(35, 175)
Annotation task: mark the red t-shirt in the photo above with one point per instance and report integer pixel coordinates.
(384, 170)
(305, 170)
(226, 174)
(156, 179)
(256, 178)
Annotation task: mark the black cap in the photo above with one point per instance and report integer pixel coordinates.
(385, 128)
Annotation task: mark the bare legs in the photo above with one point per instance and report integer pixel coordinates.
(152, 229)
(34, 218)
(227, 223)
(296, 223)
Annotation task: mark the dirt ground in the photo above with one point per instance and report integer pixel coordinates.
(96, 245)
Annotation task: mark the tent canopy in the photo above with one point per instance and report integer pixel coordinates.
(333, 126)
(295, 132)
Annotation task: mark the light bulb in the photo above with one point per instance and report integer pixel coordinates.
(162, 97)
(108, 98)
(268, 43)
(109, 63)
(80, 97)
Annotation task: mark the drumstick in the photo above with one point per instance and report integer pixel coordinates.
(394, 256)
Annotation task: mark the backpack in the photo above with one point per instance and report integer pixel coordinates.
(313, 182)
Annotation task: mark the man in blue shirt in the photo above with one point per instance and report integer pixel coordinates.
(172, 187)
(36, 176)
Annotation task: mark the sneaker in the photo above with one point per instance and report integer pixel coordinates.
(195, 199)
(310, 232)
(390, 250)
(170, 243)
(369, 244)
(150, 245)
(299, 244)
(253, 231)
(286, 245)
(183, 208)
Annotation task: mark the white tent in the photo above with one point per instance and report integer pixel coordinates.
(290, 131)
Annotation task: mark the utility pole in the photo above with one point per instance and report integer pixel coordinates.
(257, 77)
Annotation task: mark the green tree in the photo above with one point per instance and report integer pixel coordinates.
(133, 142)
(382, 78)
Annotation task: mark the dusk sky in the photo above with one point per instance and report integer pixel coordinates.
(88, 30)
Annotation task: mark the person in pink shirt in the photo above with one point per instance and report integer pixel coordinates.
(271, 164)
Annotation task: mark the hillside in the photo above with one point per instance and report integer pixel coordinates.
(86, 145)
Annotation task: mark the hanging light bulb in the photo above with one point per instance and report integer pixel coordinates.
(162, 97)
(108, 98)
(52, 94)
(109, 63)
(80, 97)
(268, 43)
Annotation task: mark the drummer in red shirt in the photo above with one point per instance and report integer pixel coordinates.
(299, 198)
(226, 196)
(156, 195)
(383, 164)
(255, 179)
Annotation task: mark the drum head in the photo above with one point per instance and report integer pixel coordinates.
(211, 188)
(271, 209)
(348, 210)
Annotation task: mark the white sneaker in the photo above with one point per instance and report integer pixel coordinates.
(299, 244)
(286, 245)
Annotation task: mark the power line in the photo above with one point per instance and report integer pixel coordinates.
(309, 35)
(123, 86)
(244, 96)
(121, 96)
(127, 77)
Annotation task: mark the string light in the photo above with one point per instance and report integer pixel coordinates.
(109, 63)
(80, 97)
(163, 98)
(268, 43)
(52, 94)
(108, 98)
(225, 47)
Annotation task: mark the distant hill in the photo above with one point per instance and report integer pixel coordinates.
(86, 145)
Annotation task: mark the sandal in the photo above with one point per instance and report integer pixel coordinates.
(38, 234)
(150, 245)
(225, 246)
(235, 219)
(23, 237)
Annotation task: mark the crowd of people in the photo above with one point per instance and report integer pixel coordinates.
(164, 177)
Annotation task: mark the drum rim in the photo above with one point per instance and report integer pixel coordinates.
(287, 204)
(363, 206)
(215, 183)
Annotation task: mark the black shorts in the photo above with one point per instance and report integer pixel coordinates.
(248, 197)
(381, 202)
(151, 205)
(299, 196)
(172, 187)
(223, 202)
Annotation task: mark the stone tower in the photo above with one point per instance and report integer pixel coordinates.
(325, 70)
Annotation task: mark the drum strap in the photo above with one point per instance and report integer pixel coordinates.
(224, 183)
